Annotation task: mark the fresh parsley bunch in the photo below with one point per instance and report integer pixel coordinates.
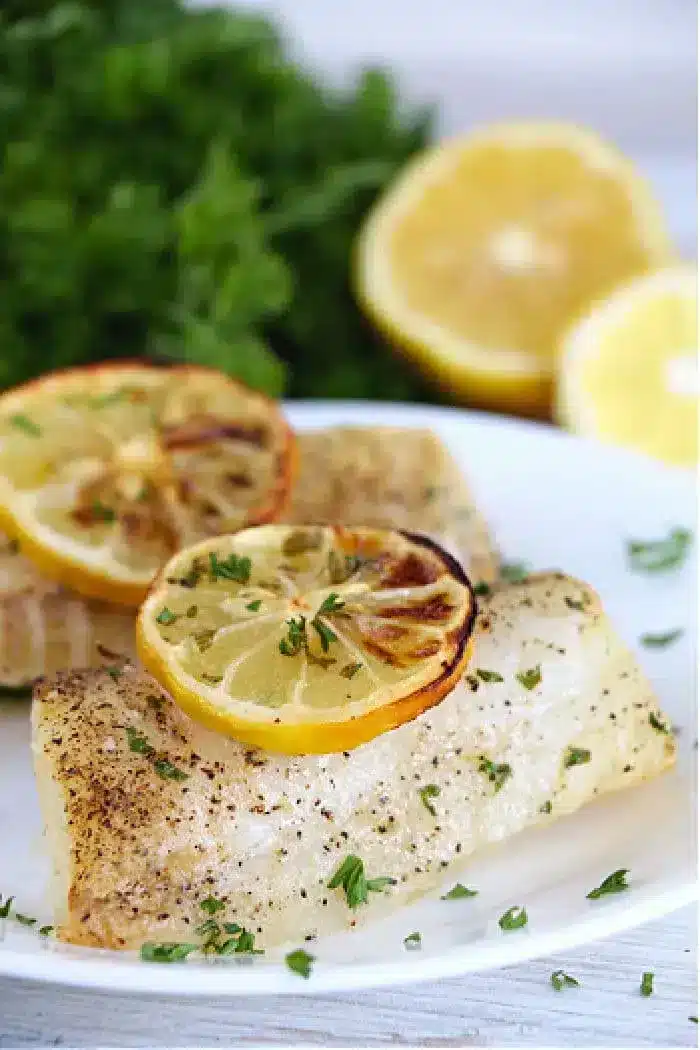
(174, 185)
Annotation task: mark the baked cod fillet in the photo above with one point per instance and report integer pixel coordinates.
(44, 627)
(137, 845)
(392, 477)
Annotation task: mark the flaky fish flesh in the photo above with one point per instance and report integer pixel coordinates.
(392, 477)
(148, 814)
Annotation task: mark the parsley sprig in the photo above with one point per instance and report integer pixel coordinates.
(231, 568)
(300, 962)
(562, 980)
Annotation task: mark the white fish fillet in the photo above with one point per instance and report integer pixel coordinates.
(135, 853)
(43, 627)
(394, 477)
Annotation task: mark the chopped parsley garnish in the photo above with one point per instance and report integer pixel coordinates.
(660, 555)
(25, 920)
(25, 424)
(5, 908)
(646, 987)
(459, 892)
(413, 941)
(658, 724)
(693, 1018)
(661, 640)
(482, 590)
(497, 772)
(254, 606)
(513, 919)
(167, 952)
(211, 905)
(426, 793)
(532, 678)
(300, 962)
(203, 639)
(165, 617)
(231, 568)
(163, 767)
(561, 980)
(489, 676)
(246, 944)
(168, 771)
(101, 512)
(45, 931)
(138, 743)
(514, 571)
(114, 673)
(350, 670)
(325, 634)
(614, 883)
(350, 876)
(296, 637)
(546, 807)
(576, 756)
(330, 604)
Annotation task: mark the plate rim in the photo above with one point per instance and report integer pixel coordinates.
(116, 974)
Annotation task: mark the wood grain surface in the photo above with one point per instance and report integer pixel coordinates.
(516, 1006)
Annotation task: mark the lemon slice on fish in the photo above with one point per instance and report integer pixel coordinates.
(308, 640)
(106, 471)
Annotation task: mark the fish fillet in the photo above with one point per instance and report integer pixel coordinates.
(394, 477)
(135, 854)
(43, 627)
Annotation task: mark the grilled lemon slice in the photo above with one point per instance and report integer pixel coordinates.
(307, 640)
(106, 471)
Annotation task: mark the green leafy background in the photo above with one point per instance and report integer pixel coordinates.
(174, 185)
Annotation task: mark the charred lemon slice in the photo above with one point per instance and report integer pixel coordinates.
(106, 471)
(307, 640)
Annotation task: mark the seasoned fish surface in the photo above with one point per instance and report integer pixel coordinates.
(396, 477)
(136, 851)
(44, 628)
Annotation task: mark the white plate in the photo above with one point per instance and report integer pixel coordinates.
(556, 502)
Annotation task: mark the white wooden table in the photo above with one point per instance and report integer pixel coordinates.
(512, 1007)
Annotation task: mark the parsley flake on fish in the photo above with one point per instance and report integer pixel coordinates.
(530, 679)
(413, 941)
(350, 877)
(426, 793)
(576, 756)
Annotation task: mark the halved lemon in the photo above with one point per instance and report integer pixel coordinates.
(307, 640)
(106, 471)
(486, 248)
(629, 369)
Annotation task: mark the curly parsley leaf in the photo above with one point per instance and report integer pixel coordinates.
(459, 892)
(351, 878)
(167, 951)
